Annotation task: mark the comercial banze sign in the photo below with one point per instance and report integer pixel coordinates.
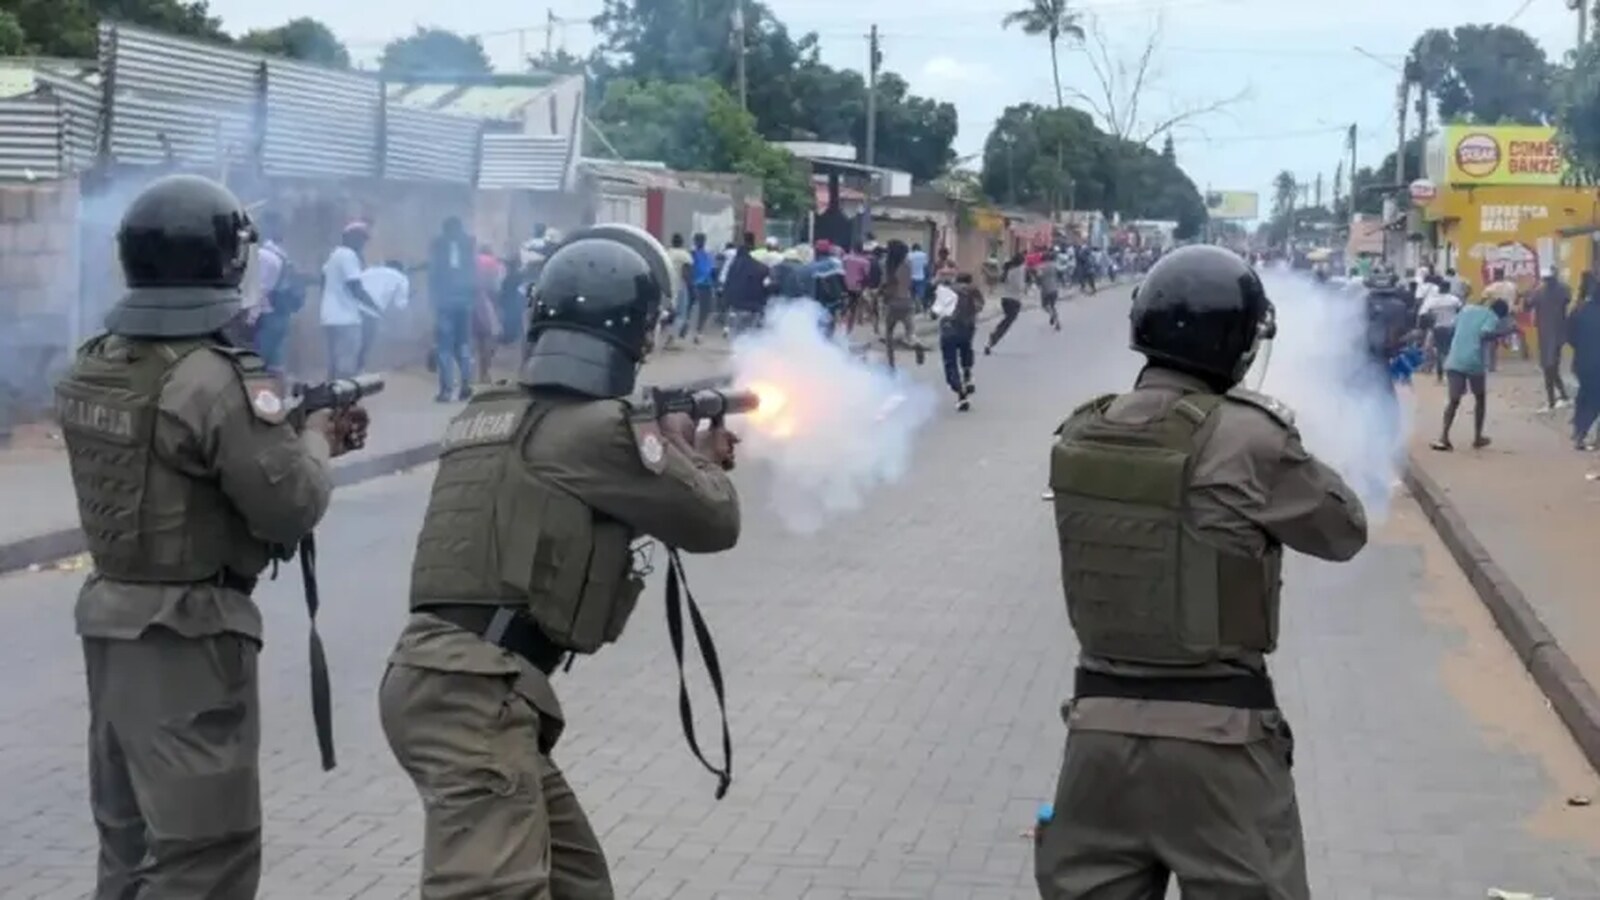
(1503, 154)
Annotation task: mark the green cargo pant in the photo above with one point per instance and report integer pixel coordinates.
(501, 821)
(1131, 812)
(174, 751)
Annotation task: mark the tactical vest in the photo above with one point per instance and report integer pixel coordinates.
(145, 521)
(497, 533)
(1141, 586)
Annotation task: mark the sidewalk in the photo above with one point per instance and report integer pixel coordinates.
(39, 524)
(1523, 520)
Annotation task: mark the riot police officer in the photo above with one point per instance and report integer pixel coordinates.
(1173, 505)
(524, 559)
(189, 481)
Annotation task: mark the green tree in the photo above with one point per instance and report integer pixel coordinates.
(1055, 19)
(792, 94)
(1042, 158)
(66, 28)
(304, 39)
(1285, 193)
(12, 38)
(1487, 74)
(434, 52)
(559, 62)
(1580, 116)
(697, 125)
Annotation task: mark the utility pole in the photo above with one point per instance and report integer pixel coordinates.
(1400, 149)
(739, 53)
(549, 33)
(874, 59)
(1319, 190)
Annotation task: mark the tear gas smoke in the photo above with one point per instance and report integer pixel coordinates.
(831, 427)
(1349, 414)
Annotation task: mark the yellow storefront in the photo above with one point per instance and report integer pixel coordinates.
(1500, 208)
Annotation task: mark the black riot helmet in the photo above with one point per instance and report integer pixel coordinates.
(593, 312)
(1202, 310)
(184, 245)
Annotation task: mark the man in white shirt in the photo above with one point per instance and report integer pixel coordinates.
(343, 301)
(1438, 310)
(390, 288)
(277, 297)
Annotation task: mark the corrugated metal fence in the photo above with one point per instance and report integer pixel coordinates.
(31, 140)
(204, 105)
(320, 121)
(526, 161)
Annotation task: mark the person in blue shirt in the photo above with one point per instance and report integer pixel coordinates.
(1464, 367)
(702, 282)
(918, 258)
(826, 274)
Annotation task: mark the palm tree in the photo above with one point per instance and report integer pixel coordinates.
(1054, 20)
(1284, 190)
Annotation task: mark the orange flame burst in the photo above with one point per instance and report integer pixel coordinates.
(774, 416)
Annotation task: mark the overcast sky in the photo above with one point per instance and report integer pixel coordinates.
(1296, 61)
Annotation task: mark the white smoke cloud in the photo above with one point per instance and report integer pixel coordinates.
(831, 427)
(1347, 414)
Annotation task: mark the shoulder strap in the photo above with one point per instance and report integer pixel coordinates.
(1277, 409)
(1196, 408)
(261, 388)
(1097, 405)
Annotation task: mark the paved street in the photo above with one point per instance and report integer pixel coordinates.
(894, 687)
(1529, 490)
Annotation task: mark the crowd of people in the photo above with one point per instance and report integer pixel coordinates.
(478, 300)
(1436, 320)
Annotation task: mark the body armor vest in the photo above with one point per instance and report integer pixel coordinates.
(498, 533)
(1141, 585)
(144, 521)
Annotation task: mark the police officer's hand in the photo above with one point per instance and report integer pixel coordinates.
(717, 445)
(350, 425)
(680, 428)
(322, 422)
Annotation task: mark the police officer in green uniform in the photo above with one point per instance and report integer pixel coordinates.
(525, 558)
(1173, 504)
(189, 481)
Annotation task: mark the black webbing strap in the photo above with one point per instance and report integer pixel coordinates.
(321, 692)
(677, 592)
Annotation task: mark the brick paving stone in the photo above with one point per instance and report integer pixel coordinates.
(1527, 500)
(894, 685)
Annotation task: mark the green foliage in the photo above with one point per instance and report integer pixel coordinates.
(1580, 116)
(560, 62)
(434, 52)
(696, 125)
(12, 37)
(304, 39)
(1042, 158)
(792, 94)
(66, 28)
(1485, 74)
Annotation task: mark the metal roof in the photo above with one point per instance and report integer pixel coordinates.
(501, 102)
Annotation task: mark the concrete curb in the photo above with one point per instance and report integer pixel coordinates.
(44, 549)
(1569, 692)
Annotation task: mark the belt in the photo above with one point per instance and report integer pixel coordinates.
(1237, 691)
(506, 627)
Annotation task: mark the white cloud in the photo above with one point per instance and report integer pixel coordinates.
(948, 70)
